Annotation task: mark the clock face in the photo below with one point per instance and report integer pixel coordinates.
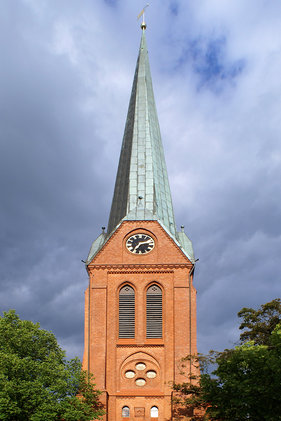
(140, 243)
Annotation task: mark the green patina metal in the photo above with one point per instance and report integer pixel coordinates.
(142, 181)
(142, 189)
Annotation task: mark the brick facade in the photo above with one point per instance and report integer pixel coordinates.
(114, 361)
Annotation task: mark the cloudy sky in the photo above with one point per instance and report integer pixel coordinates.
(65, 79)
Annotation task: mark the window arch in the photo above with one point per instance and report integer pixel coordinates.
(127, 312)
(125, 412)
(154, 312)
(154, 412)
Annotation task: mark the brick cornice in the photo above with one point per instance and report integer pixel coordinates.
(133, 396)
(132, 267)
(139, 346)
(115, 272)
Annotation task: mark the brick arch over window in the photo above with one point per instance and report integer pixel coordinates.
(154, 317)
(138, 356)
(126, 312)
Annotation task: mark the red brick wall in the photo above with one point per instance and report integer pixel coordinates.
(107, 356)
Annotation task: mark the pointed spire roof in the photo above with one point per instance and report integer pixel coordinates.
(142, 189)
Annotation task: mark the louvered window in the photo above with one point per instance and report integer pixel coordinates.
(127, 312)
(154, 312)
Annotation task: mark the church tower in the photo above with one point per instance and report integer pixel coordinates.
(140, 306)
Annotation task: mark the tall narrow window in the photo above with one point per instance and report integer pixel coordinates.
(125, 412)
(127, 312)
(154, 312)
(154, 412)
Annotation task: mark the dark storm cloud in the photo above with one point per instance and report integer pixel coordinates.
(43, 176)
(65, 79)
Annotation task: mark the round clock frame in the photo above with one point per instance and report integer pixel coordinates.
(140, 243)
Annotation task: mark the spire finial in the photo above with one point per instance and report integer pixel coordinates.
(143, 24)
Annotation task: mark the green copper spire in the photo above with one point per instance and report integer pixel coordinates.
(142, 189)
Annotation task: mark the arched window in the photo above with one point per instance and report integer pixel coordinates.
(154, 412)
(154, 312)
(125, 412)
(127, 312)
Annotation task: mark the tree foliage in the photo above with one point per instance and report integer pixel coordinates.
(246, 382)
(188, 398)
(258, 324)
(37, 382)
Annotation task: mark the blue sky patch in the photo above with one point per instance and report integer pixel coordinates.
(209, 62)
(174, 8)
(111, 2)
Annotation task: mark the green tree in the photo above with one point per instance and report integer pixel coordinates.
(37, 382)
(246, 382)
(247, 385)
(188, 398)
(258, 324)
